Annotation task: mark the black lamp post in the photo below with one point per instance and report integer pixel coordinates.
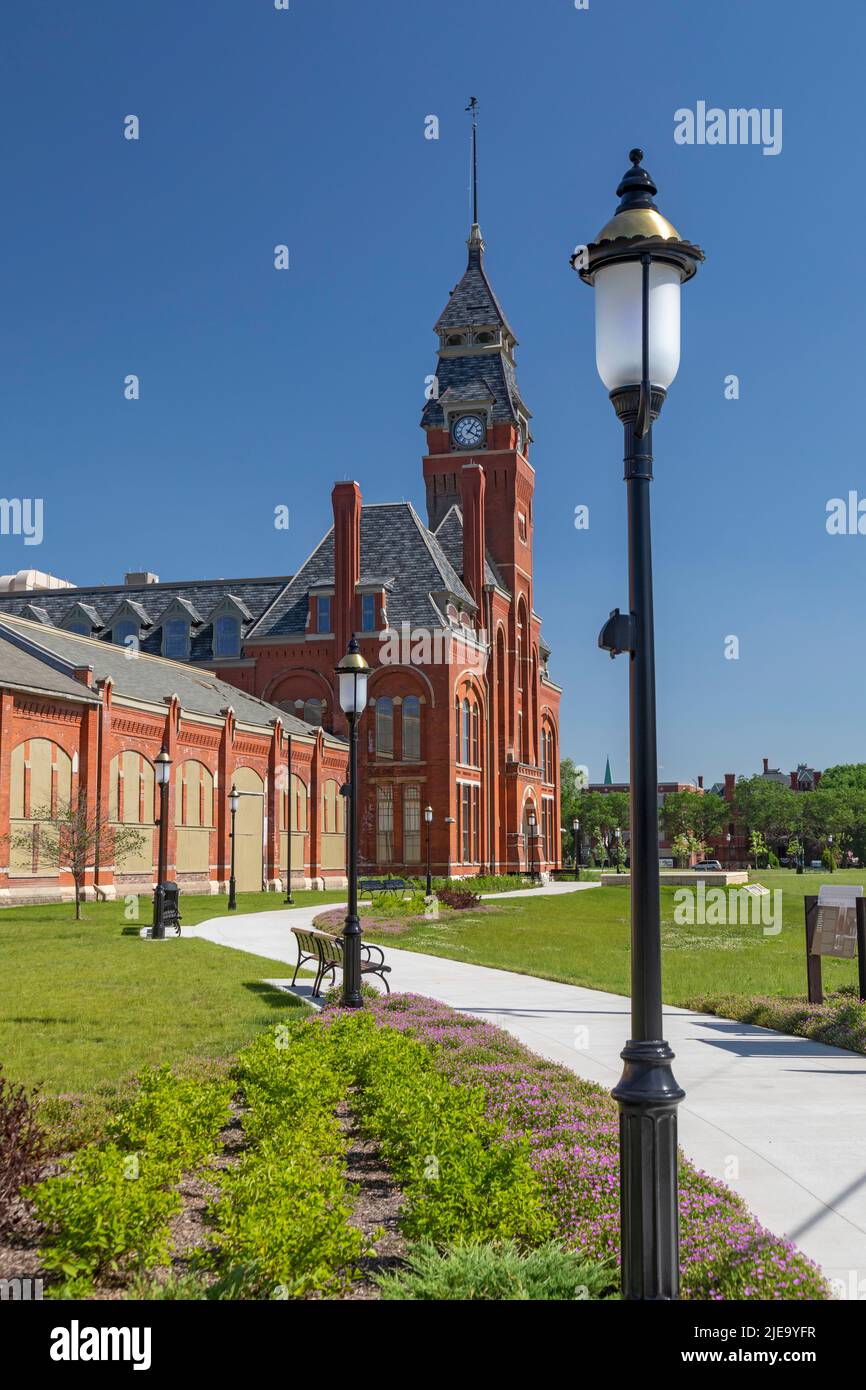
(163, 778)
(234, 798)
(428, 817)
(533, 846)
(353, 673)
(288, 899)
(636, 266)
(575, 825)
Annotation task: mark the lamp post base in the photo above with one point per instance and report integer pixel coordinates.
(352, 998)
(648, 1096)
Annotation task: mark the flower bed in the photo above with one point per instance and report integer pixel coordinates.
(571, 1129)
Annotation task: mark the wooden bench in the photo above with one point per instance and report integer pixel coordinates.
(327, 952)
(386, 885)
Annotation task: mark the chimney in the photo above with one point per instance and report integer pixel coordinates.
(138, 579)
(766, 764)
(730, 779)
(472, 487)
(700, 782)
(346, 501)
(794, 784)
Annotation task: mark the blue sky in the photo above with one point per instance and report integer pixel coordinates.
(260, 388)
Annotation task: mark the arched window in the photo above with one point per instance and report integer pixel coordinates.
(454, 340)
(476, 752)
(385, 727)
(466, 750)
(457, 727)
(411, 728)
(227, 637)
(194, 795)
(313, 712)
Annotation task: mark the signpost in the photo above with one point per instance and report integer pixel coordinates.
(835, 926)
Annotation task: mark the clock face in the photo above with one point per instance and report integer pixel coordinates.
(468, 431)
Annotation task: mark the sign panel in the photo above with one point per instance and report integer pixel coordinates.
(836, 926)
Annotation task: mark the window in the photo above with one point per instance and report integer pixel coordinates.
(80, 628)
(313, 709)
(476, 759)
(457, 727)
(475, 824)
(227, 637)
(520, 663)
(520, 737)
(411, 728)
(521, 526)
(175, 639)
(123, 630)
(484, 338)
(454, 340)
(323, 614)
(384, 825)
(411, 825)
(466, 749)
(385, 728)
(368, 612)
(465, 822)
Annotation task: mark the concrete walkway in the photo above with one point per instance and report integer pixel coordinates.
(782, 1120)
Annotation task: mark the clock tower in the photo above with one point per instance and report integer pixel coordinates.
(475, 414)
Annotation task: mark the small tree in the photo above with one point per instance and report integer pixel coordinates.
(75, 836)
(757, 846)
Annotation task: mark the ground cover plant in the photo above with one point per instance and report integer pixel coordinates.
(839, 1022)
(108, 1213)
(501, 1272)
(570, 1127)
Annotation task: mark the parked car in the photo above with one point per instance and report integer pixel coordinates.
(709, 866)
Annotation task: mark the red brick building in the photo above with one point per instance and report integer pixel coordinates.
(463, 714)
(80, 716)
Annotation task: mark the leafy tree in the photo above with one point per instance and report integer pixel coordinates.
(700, 814)
(768, 807)
(75, 836)
(571, 789)
(685, 845)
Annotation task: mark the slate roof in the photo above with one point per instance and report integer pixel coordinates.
(472, 303)
(486, 377)
(20, 669)
(199, 598)
(144, 677)
(449, 534)
(394, 542)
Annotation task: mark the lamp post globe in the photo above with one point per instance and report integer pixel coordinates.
(162, 772)
(636, 266)
(234, 798)
(428, 820)
(352, 676)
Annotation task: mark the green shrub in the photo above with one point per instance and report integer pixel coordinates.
(282, 1218)
(109, 1210)
(22, 1145)
(392, 905)
(499, 1272)
(175, 1118)
(462, 1179)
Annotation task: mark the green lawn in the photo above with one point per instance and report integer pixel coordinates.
(584, 939)
(83, 1005)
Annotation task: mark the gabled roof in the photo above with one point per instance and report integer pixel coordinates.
(38, 615)
(151, 678)
(99, 603)
(394, 542)
(185, 606)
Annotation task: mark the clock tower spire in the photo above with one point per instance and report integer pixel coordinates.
(474, 411)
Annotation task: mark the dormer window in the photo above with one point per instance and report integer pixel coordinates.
(368, 612)
(175, 639)
(227, 637)
(455, 340)
(485, 337)
(122, 631)
(323, 613)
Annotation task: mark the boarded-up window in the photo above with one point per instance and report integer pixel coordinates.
(411, 825)
(384, 825)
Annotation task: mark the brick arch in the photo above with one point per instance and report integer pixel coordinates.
(381, 671)
(302, 678)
